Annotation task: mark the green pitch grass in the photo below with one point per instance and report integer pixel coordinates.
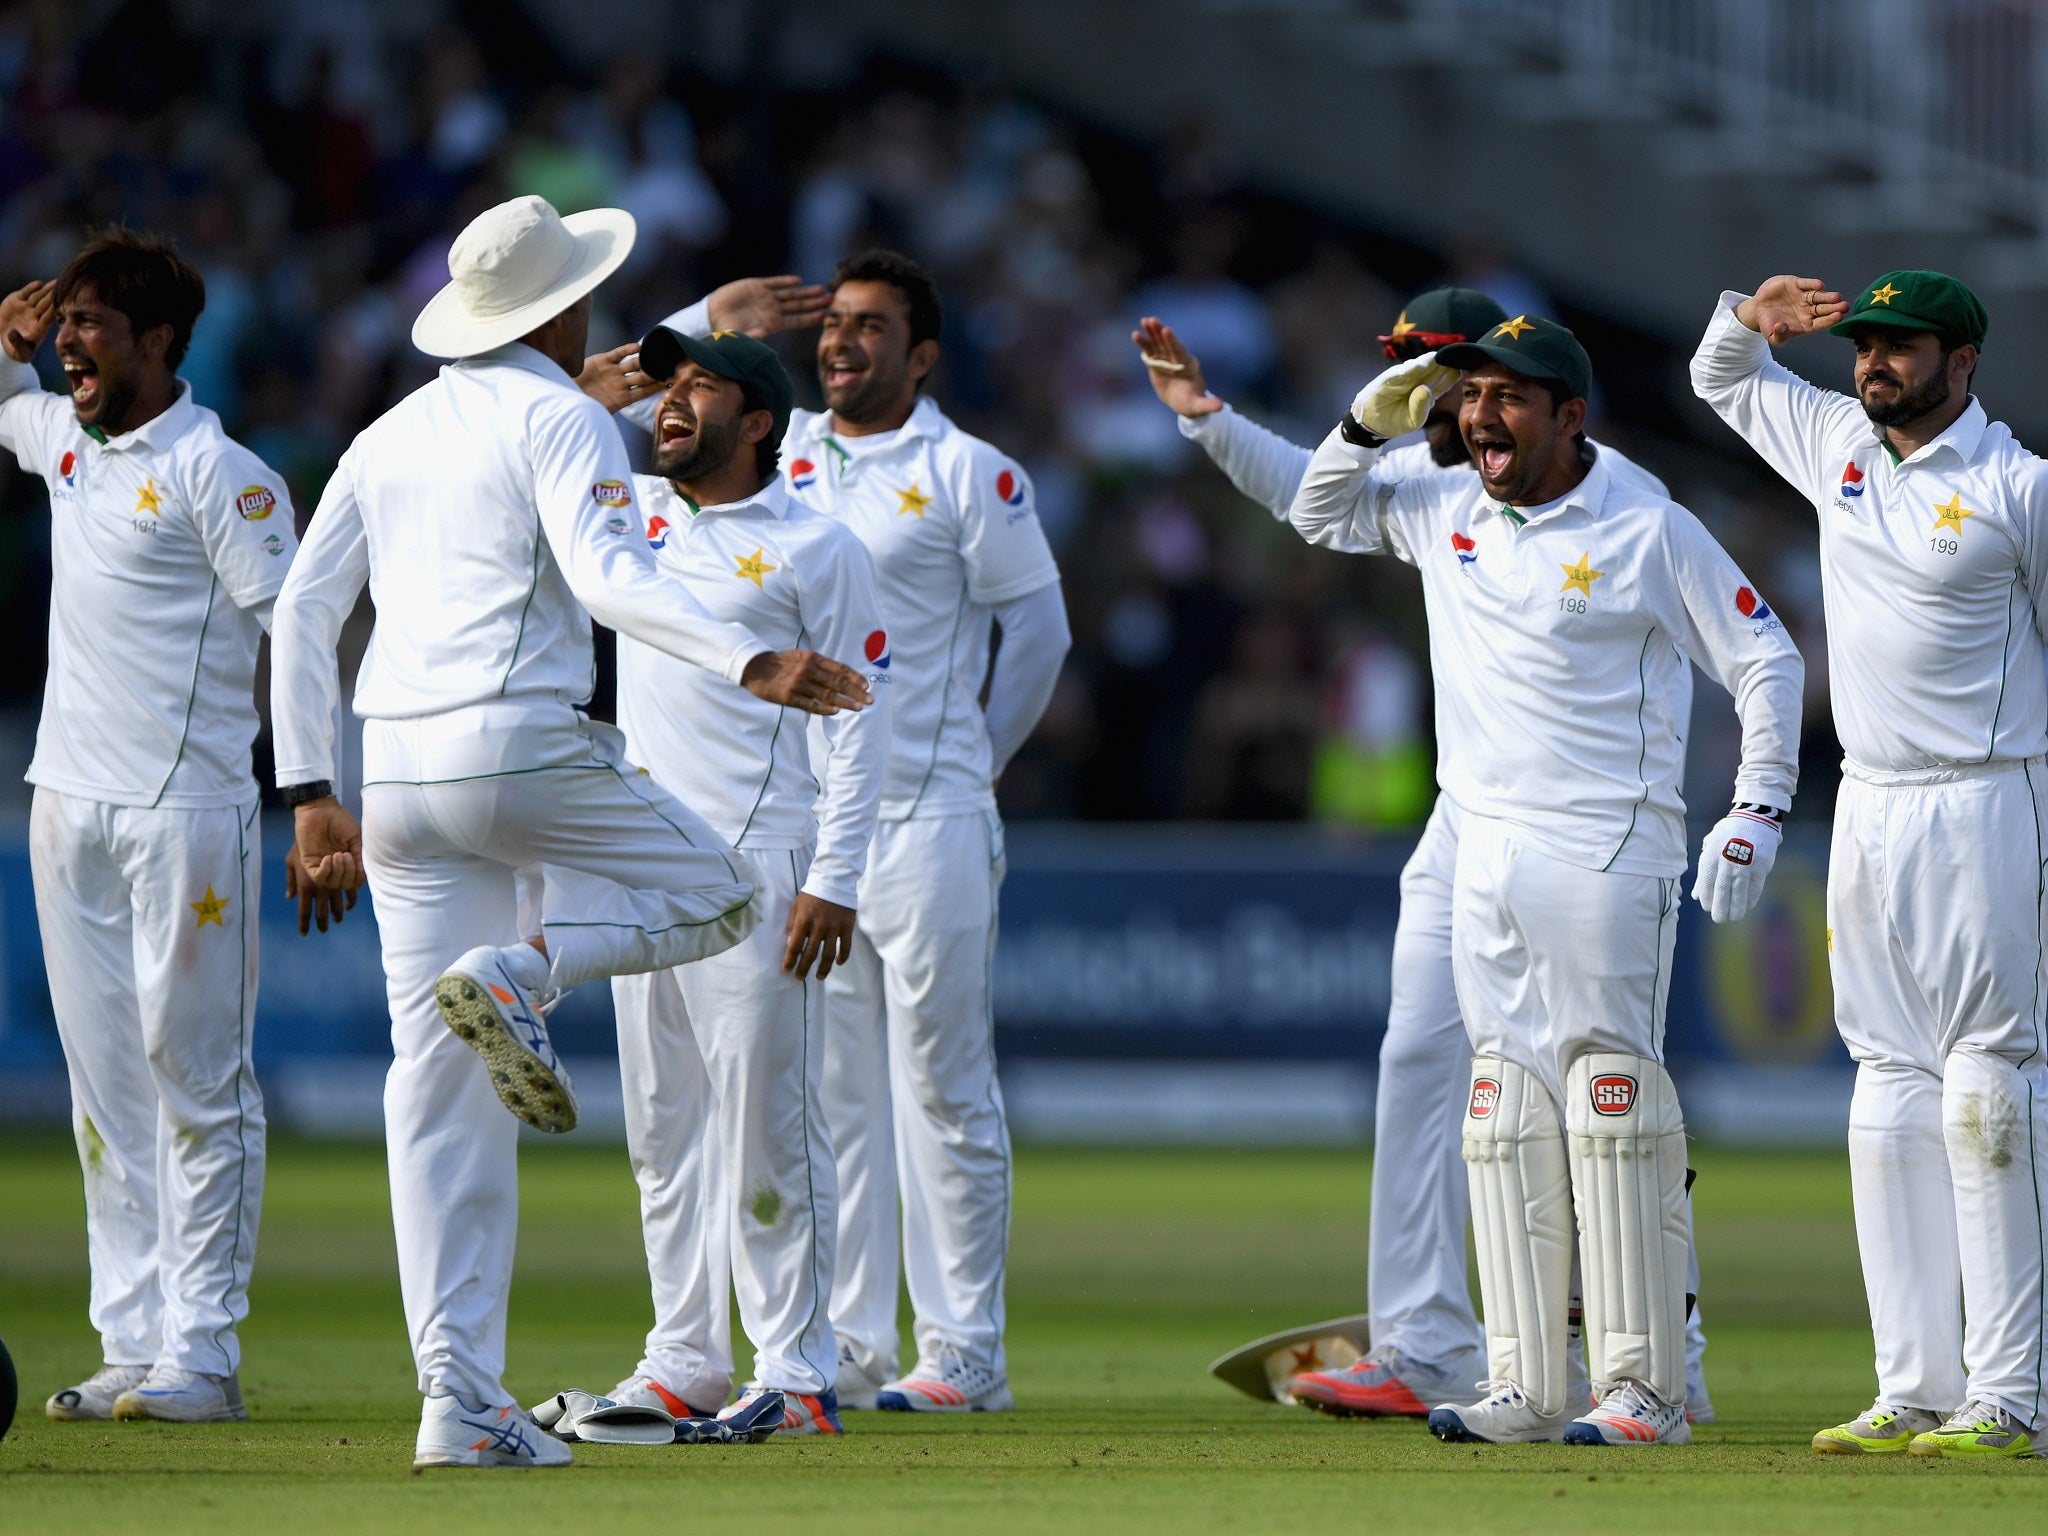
(1131, 1271)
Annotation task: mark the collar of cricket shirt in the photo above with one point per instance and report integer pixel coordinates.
(161, 430)
(924, 421)
(1963, 436)
(772, 500)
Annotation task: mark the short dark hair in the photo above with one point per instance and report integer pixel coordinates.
(141, 275)
(767, 455)
(919, 292)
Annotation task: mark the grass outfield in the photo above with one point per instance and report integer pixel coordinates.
(1131, 1270)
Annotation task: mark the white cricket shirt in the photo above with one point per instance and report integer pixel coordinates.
(799, 581)
(953, 532)
(1559, 639)
(1934, 568)
(167, 546)
(493, 513)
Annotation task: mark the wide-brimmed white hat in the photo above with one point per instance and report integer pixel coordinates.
(516, 267)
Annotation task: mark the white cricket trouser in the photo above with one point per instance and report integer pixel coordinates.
(1935, 919)
(149, 926)
(721, 1061)
(1552, 960)
(454, 807)
(910, 1090)
(1417, 1293)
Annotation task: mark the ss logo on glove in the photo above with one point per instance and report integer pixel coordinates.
(1738, 851)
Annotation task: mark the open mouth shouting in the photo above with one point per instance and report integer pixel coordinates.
(674, 430)
(841, 371)
(1494, 453)
(82, 376)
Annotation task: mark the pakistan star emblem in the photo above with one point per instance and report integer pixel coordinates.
(1581, 575)
(913, 500)
(1883, 295)
(1950, 515)
(752, 568)
(209, 909)
(147, 500)
(1514, 328)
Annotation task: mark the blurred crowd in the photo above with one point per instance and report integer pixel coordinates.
(315, 162)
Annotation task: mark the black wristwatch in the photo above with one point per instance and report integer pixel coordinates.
(1357, 432)
(296, 795)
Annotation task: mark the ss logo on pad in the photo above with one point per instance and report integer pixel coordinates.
(1485, 1094)
(1614, 1095)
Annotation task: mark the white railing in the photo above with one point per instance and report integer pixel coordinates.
(1927, 96)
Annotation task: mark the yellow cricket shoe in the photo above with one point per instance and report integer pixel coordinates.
(1978, 1431)
(1881, 1431)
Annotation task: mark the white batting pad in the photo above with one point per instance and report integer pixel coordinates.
(1628, 1175)
(1522, 1225)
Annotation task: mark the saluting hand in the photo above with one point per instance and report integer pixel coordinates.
(761, 306)
(1788, 306)
(614, 380)
(1175, 372)
(25, 317)
(804, 680)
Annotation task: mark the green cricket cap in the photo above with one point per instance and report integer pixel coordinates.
(1916, 300)
(751, 364)
(1533, 347)
(1440, 318)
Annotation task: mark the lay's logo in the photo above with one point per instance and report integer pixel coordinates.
(612, 493)
(1485, 1095)
(255, 503)
(1614, 1094)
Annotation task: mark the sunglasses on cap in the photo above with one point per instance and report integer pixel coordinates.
(1415, 343)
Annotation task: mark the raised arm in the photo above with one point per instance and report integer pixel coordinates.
(754, 306)
(1262, 464)
(27, 410)
(1785, 419)
(1341, 503)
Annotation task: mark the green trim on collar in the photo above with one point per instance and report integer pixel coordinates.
(97, 435)
(1513, 516)
(686, 499)
(1885, 438)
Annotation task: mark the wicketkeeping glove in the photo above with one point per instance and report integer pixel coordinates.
(1398, 400)
(1734, 860)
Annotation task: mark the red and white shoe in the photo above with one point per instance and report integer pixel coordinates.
(950, 1385)
(643, 1391)
(1631, 1415)
(1384, 1383)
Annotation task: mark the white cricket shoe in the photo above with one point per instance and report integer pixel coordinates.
(496, 1001)
(1631, 1415)
(93, 1398)
(948, 1385)
(860, 1376)
(458, 1434)
(1503, 1417)
(642, 1391)
(183, 1397)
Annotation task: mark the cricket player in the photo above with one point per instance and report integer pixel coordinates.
(721, 1059)
(911, 1095)
(1427, 1344)
(1561, 712)
(168, 543)
(493, 515)
(1934, 558)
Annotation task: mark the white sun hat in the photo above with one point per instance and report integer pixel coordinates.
(516, 267)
